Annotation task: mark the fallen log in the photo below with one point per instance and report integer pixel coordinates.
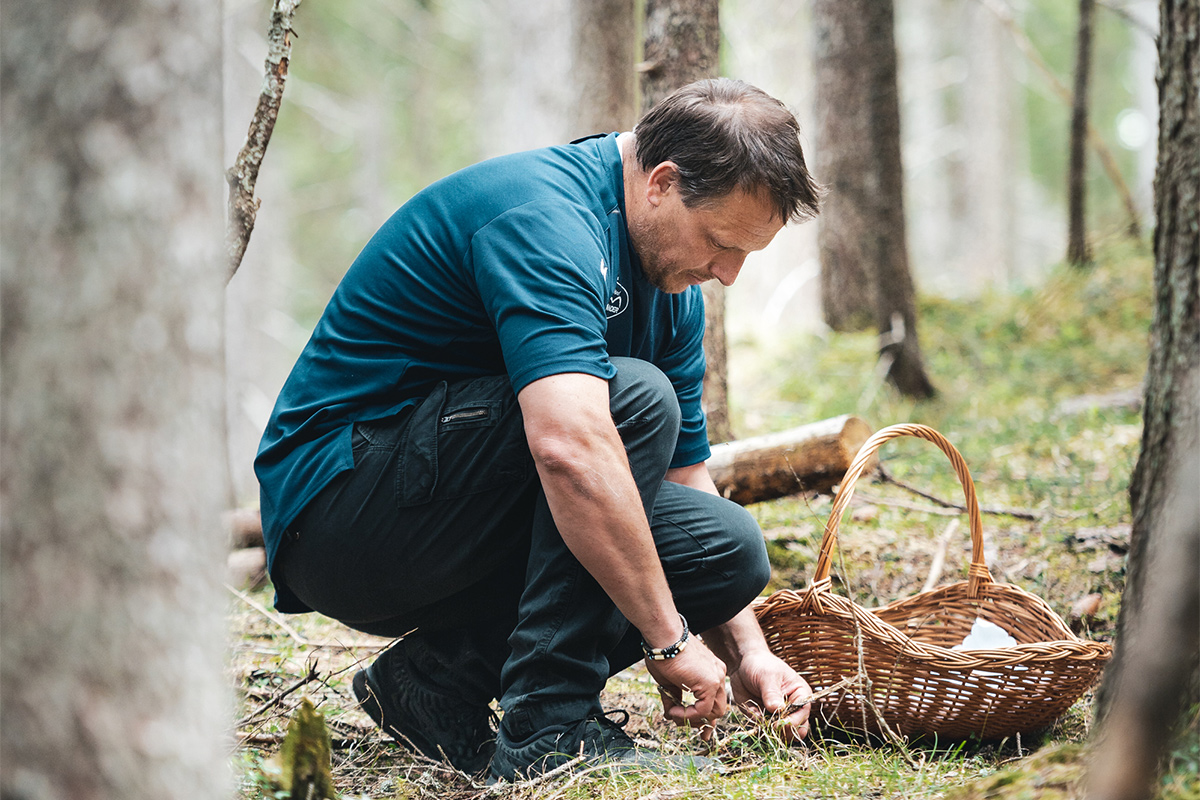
(810, 458)
(244, 528)
(246, 568)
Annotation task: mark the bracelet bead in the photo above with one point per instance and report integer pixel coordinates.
(670, 651)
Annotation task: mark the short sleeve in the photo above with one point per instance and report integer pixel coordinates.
(539, 272)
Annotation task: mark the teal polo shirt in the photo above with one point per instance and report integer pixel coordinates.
(519, 265)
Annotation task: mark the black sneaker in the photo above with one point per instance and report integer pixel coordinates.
(599, 739)
(422, 717)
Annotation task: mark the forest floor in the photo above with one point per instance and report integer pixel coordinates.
(1039, 391)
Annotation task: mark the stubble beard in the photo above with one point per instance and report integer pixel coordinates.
(645, 242)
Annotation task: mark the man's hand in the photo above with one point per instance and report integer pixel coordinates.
(764, 686)
(692, 687)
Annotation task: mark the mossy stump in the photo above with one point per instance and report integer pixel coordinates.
(303, 764)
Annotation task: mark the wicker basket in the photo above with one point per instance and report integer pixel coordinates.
(915, 682)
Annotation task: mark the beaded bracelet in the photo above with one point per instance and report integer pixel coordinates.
(670, 651)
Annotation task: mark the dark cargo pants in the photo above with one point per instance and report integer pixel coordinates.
(442, 527)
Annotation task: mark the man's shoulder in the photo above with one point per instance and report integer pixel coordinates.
(581, 172)
(564, 171)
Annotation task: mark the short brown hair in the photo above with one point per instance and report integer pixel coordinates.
(725, 134)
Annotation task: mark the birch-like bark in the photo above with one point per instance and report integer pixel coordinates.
(111, 674)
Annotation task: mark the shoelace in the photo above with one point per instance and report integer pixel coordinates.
(607, 734)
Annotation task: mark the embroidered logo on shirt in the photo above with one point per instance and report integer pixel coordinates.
(618, 302)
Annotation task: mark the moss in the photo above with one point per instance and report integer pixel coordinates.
(1055, 772)
(304, 771)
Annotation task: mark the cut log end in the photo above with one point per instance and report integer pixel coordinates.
(810, 458)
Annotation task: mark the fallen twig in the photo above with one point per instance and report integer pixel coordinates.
(886, 477)
(288, 629)
(844, 683)
(310, 675)
(939, 557)
(502, 788)
(271, 615)
(874, 499)
(576, 777)
(268, 739)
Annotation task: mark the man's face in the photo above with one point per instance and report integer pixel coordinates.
(681, 247)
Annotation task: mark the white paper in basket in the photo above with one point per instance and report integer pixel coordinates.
(985, 635)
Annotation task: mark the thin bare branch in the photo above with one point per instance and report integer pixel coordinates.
(289, 630)
(275, 739)
(886, 477)
(310, 675)
(242, 176)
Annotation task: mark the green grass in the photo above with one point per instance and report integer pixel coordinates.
(1003, 365)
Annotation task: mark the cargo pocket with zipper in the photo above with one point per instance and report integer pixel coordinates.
(465, 438)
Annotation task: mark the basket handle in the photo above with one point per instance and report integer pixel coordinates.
(978, 572)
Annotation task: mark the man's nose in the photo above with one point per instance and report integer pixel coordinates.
(726, 269)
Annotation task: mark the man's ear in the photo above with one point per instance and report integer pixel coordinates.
(661, 181)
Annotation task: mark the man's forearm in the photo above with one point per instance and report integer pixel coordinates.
(594, 500)
(599, 513)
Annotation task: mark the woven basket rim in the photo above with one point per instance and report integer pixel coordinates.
(899, 642)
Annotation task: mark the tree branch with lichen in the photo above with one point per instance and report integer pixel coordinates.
(243, 205)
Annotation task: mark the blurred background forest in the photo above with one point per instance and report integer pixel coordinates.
(386, 96)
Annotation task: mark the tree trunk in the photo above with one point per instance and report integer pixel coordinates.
(554, 71)
(963, 157)
(864, 260)
(111, 673)
(1155, 676)
(990, 164)
(716, 374)
(843, 155)
(603, 47)
(1077, 246)
(682, 45)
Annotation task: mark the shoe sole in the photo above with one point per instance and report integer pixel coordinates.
(368, 701)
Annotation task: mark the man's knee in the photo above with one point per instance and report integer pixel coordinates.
(640, 393)
(744, 555)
